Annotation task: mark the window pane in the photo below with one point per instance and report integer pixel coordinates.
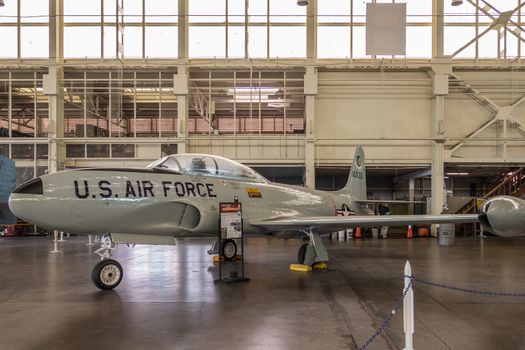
(207, 11)
(98, 151)
(359, 42)
(8, 35)
(333, 11)
(37, 10)
(512, 45)
(287, 42)
(4, 151)
(133, 11)
(42, 151)
(8, 12)
(419, 42)
(207, 42)
(419, 11)
(333, 42)
(359, 13)
(122, 151)
(161, 42)
(81, 42)
(456, 37)
(161, 11)
(488, 44)
(110, 10)
(463, 13)
(503, 5)
(110, 42)
(22, 151)
(257, 42)
(257, 11)
(75, 151)
(287, 11)
(34, 42)
(132, 42)
(236, 11)
(235, 42)
(81, 11)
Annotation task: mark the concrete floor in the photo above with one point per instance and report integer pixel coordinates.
(168, 300)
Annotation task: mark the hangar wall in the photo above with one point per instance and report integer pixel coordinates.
(448, 103)
(391, 113)
(388, 112)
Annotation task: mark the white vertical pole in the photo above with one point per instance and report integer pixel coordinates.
(61, 237)
(90, 242)
(55, 243)
(408, 309)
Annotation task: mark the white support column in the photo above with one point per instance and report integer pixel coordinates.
(181, 89)
(52, 85)
(183, 30)
(310, 91)
(441, 74)
(438, 25)
(411, 194)
(437, 168)
(56, 118)
(311, 31)
(309, 146)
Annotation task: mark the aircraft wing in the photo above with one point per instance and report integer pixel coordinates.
(336, 223)
(387, 201)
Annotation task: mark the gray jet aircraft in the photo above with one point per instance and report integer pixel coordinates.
(179, 196)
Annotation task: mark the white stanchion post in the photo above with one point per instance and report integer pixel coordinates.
(408, 309)
(61, 237)
(55, 243)
(90, 243)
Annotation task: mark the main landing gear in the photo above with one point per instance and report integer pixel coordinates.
(228, 249)
(312, 252)
(107, 273)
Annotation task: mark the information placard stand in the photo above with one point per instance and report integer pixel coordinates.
(230, 228)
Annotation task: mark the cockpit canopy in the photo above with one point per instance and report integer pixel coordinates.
(207, 165)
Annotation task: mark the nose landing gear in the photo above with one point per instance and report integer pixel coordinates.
(107, 273)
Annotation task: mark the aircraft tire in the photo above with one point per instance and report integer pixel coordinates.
(229, 249)
(107, 274)
(302, 253)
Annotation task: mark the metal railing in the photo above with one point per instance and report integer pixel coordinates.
(509, 185)
(407, 300)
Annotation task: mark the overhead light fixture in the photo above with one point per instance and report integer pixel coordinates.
(2, 3)
(299, 2)
(457, 2)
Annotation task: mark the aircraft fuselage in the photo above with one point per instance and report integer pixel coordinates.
(147, 201)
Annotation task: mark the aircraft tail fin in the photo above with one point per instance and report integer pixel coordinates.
(356, 184)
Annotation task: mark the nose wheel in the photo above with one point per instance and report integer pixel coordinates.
(107, 274)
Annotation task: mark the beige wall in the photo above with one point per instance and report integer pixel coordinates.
(391, 114)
